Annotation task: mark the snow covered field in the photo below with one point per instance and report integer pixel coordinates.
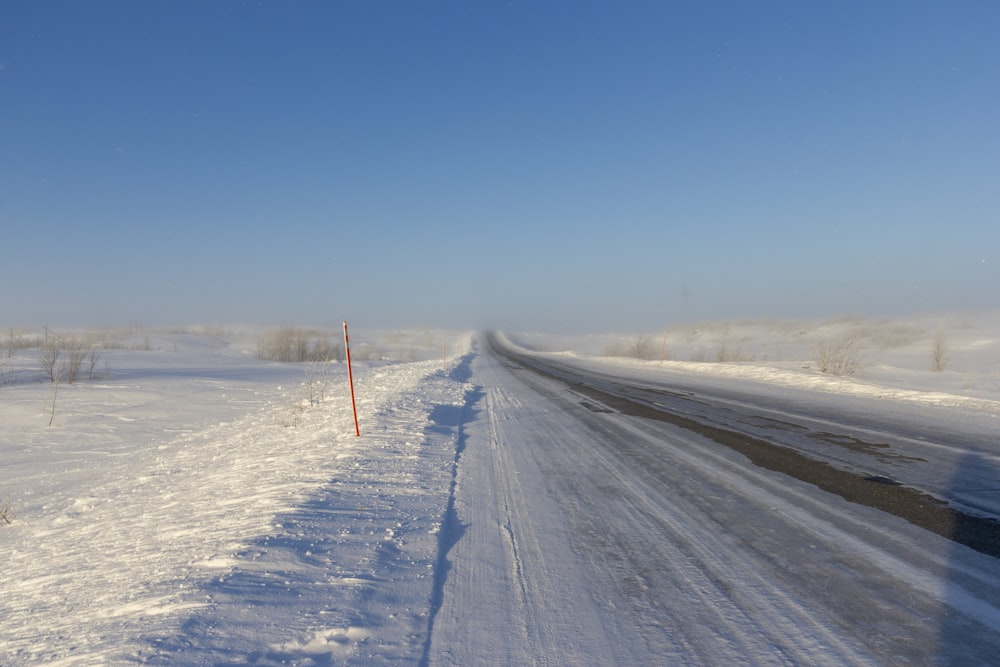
(895, 358)
(193, 504)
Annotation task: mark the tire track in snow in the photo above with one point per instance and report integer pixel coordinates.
(515, 529)
(513, 596)
(452, 528)
(899, 555)
(722, 608)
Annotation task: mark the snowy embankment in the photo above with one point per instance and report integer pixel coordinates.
(194, 507)
(889, 359)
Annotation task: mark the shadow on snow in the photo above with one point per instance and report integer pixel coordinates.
(450, 418)
(963, 638)
(329, 567)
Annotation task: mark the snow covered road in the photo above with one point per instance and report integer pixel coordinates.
(621, 540)
(204, 514)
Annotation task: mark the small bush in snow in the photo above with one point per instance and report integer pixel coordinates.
(6, 376)
(19, 341)
(729, 352)
(840, 355)
(76, 352)
(316, 382)
(293, 416)
(294, 344)
(641, 347)
(48, 360)
(93, 356)
(66, 359)
(7, 514)
(939, 351)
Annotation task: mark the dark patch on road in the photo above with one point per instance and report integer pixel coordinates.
(880, 450)
(881, 479)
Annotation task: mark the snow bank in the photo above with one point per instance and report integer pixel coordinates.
(895, 357)
(194, 501)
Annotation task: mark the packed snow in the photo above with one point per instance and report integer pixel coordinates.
(189, 503)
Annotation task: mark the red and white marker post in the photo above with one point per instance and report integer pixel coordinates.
(350, 378)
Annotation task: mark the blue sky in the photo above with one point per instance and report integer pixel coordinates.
(545, 165)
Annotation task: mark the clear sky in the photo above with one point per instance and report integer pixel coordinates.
(532, 165)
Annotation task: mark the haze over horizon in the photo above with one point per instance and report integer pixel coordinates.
(558, 166)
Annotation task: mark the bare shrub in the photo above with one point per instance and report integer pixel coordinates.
(61, 359)
(48, 359)
(291, 344)
(76, 351)
(643, 347)
(323, 349)
(616, 349)
(300, 348)
(317, 381)
(640, 347)
(939, 351)
(7, 376)
(293, 416)
(7, 511)
(93, 356)
(278, 345)
(729, 352)
(840, 355)
(314, 386)
(19, 341)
